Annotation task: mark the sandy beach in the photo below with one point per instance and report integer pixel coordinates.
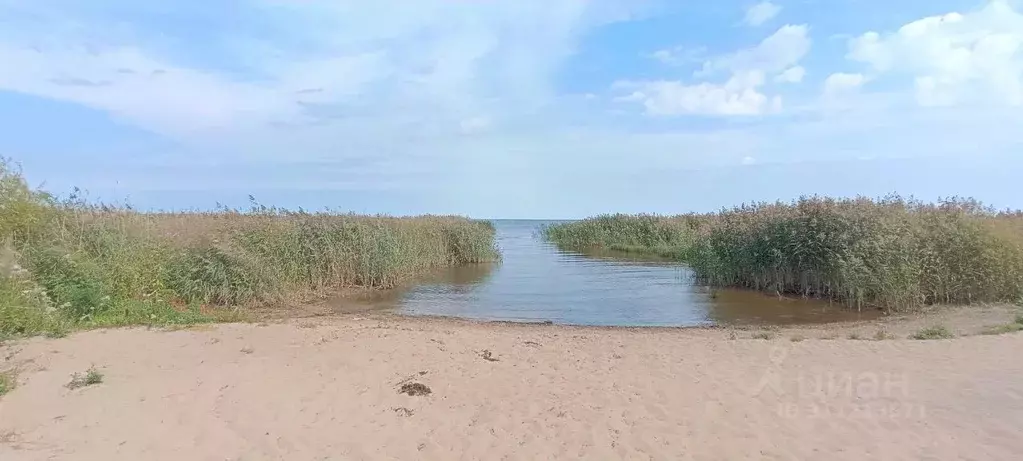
(318, 389)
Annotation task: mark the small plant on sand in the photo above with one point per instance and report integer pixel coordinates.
(797, 338)
(1003, 329)
(935, 332)
(90, 377)
(415, 389)
(855, 336)
(7, 382)
(403, 412)
(882, 335)
(763, 335)
(1017, 325)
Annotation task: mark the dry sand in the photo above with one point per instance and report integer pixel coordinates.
(328, 389)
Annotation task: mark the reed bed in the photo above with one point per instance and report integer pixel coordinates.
(68, 262)
(891, 253)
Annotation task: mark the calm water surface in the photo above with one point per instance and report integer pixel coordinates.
(537, 282)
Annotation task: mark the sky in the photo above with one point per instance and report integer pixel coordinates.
(513, 108)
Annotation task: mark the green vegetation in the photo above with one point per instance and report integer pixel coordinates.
(668, 237)
(90, 377)
(935, 332)
(1017, 325)
(891, 253)
(1003, 329)
(67, 263)
(7, 382)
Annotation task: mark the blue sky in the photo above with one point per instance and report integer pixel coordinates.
(521, 109)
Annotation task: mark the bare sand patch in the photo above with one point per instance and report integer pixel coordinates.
(355, 388)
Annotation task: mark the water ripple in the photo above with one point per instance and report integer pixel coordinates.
(537, 282)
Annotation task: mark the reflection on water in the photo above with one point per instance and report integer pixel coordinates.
(537, 282)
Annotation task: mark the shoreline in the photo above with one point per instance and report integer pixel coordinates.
(966, 320)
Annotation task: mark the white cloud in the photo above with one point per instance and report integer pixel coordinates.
(171, 99)
(953, 58)
(840, 82)
(793, 74)
(737, 96)
(328, 61)
(456, 104)
(679, 55)
(783, 49)
(761, 13)
(742, 93)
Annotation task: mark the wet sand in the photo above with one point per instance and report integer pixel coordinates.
(316, 389)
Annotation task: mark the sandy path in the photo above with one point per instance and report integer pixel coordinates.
(329, 391)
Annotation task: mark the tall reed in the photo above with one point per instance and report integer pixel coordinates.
(891, 253)
(71, 261)
(646, 234)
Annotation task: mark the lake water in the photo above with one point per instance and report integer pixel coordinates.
(536, 282)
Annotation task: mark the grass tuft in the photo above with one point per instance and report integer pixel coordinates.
(8, 381)
(935, 332)
(1003, 329)
(881, 334)
(91, 377)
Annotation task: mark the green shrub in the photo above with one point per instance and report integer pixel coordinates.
(74, 284)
